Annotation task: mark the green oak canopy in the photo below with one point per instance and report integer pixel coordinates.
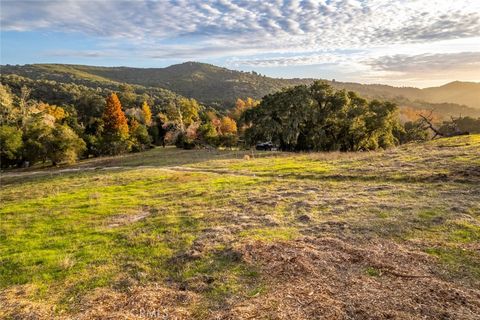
(317, 117)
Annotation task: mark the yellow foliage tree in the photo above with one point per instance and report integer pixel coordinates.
(57, 112)
(241, 106)
(251, 103)
(189, 110)
(147, 113)
(228, 125)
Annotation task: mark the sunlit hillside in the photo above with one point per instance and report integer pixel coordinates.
(235, 234)
(215, 85)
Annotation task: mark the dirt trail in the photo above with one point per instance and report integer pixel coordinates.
(85, 169)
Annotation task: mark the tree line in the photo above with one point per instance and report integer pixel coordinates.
(44, 121)
(34, 131)
(320, 118)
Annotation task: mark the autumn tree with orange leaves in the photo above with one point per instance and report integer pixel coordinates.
(115, 122)
(241, 106)
(115, 128)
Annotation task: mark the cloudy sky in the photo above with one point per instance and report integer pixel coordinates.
(400, 42)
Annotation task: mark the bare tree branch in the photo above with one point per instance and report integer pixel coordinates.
(428, 121)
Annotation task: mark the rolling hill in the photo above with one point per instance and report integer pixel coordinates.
(220, 86)
(467, 93)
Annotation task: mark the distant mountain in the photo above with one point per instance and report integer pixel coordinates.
(467, 93)
(453, 99)
(207, 83)
(220, 86)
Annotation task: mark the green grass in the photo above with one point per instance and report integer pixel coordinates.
(283, 165)
(460, 263)
(270, 234)
(65, 234)
(70, 70)
(373, 272)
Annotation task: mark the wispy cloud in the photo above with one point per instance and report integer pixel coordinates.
(428, 62)
(424, 69)
(294, 60)
(245, 31)
(278, 25)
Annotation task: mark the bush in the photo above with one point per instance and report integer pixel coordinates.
(184, 142)
(412, 131)
(93, 145)
(10, 145)
(64, 145)
(208, 134)
(228, 140)
(139, 137)
(113, 144)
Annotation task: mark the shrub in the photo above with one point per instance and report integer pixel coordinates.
(139, 137)
(64, 145)
(10, 145)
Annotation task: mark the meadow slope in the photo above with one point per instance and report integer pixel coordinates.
(177, 234)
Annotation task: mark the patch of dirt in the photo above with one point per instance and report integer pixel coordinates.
(147, 302)
(327, 227)
(379, 188)
(329, 278)
(304, 218)
(469, 174)
(151, 302)
(15, 304)
(212, 237)
(307, 278)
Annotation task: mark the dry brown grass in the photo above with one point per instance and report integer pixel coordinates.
(333, 278)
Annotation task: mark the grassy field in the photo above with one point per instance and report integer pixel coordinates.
(175, 234)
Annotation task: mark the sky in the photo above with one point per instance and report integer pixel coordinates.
(398, 42)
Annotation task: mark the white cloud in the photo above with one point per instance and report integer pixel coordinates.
(439, 62)
(294, 60)
(427, 68)
(288, 32)
(312, 25)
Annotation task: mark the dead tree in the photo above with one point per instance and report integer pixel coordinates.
(427, 120)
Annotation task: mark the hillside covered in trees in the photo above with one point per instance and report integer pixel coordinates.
(55, 122)
(220, 87)
(51, 122)
(60, 113)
